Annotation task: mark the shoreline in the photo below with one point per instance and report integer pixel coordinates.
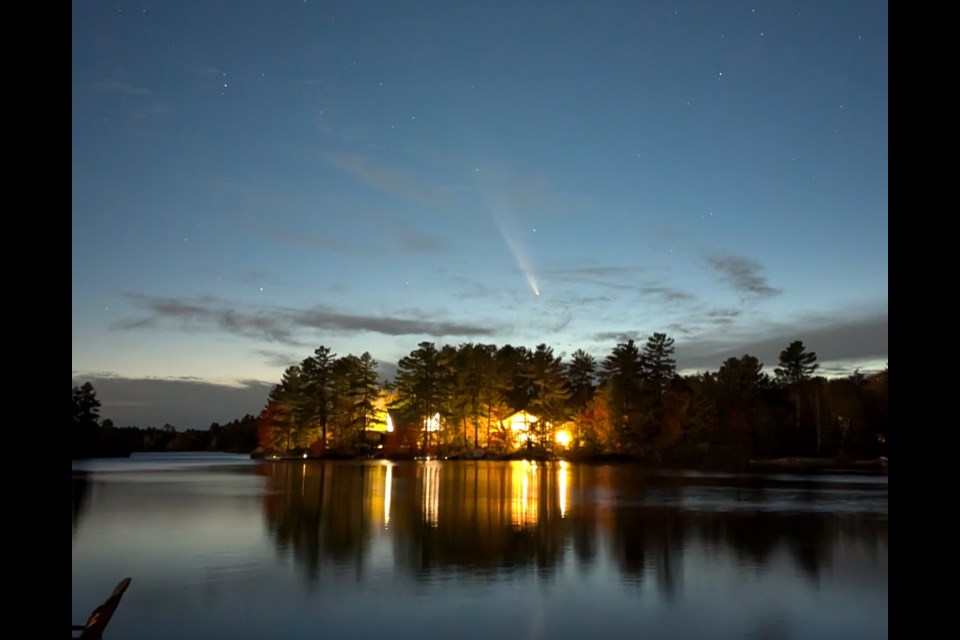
(795, 464)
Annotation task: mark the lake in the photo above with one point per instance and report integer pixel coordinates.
(221, 546)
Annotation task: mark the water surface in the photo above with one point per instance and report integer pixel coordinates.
(220, 546)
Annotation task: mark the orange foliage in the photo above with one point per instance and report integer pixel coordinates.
(593, 426)
(266, 426)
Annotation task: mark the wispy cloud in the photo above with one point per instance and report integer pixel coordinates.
(832, 339)
(616, 336)
(634, 279)
(389, 181)
(324, 319)
(388, 231)
(282, 325)
(411, 239)
(667, 293)
(397, 235)
(744, 274)
(722, 316)
(528, 197)
(609, 276)
(209, 314)
(681, 329)
(278, 358)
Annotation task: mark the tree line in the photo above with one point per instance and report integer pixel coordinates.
(632, 402)
(93, 437)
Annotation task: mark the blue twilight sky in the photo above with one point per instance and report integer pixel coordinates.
(254, 179)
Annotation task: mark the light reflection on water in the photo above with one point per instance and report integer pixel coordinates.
(223, 547)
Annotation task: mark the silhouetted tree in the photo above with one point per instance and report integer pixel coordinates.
(357, 385)
(549, 397)
(740, 381)
(86, 406)
(795, 371)
(422, 384)
(580, 377)
(658, 368)
(86, 420)
(513, 367)
(287, 415)
(622, 375)
(796, 364)
(317, 372)
(474, 386)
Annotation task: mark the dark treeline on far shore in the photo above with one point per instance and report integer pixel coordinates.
(95, 438)
(465, 401)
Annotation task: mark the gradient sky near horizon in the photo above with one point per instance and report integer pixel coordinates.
(252, 180)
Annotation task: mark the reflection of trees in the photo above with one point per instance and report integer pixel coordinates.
(651, 540)
(491, 518)
(810, 544)
(312, 513)
(586, 511)
(651, 528)
(478, 516)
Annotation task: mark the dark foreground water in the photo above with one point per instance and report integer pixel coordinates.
(220, 546)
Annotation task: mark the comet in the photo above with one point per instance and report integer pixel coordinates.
(519, 256)
(492, 197)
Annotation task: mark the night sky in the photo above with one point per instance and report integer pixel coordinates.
(254, 179)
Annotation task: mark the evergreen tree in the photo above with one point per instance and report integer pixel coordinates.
(422, 384)
(86, 406)
(317, 371)
(622, 374)
(474, 382)
(513, 370)
(85, 438)
(740, 382)
(796, 369)
(796, 364)
(657, 364)
(363, 387)
(580, 377)
(548, 401)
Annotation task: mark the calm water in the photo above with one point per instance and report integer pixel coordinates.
(220, 546)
